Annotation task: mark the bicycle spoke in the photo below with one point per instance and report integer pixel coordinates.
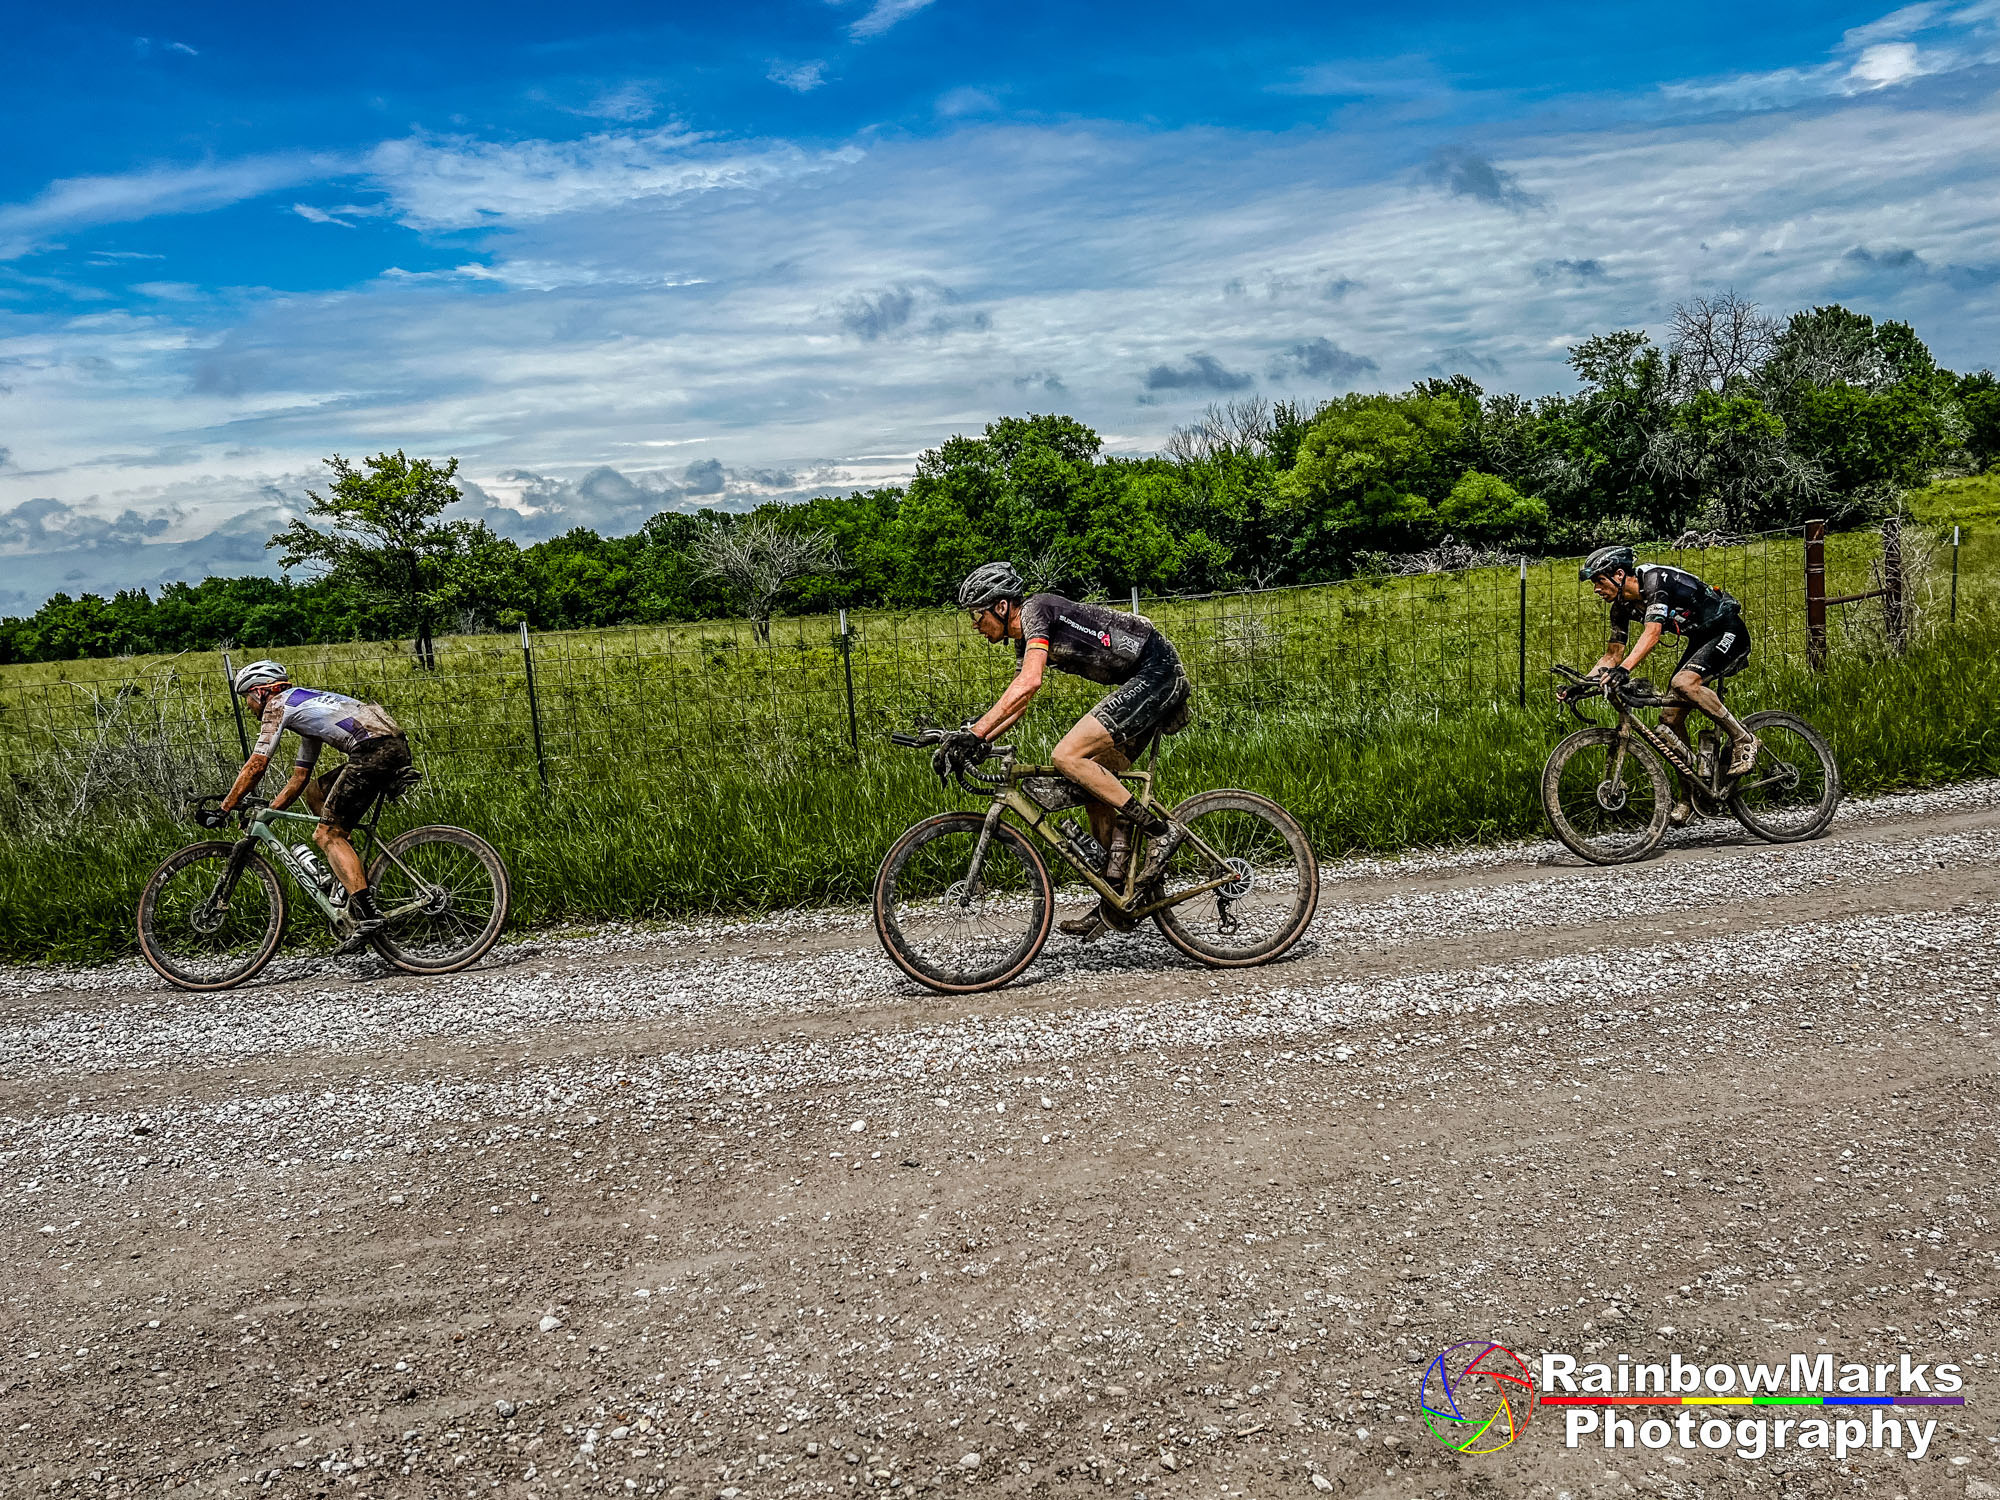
(443, 897)
(944, 931)
(200, 935)
(1268, 885)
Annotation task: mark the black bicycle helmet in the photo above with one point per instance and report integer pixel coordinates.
(1607, 560)
(989, 584)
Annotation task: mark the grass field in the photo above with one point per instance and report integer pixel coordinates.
(694, 770)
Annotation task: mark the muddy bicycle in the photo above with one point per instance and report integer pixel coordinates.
(1607, 789)
(212, 914)
(964, 901)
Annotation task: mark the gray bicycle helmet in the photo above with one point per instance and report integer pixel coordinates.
(260, 674)
(1607, 560)
(989, 584)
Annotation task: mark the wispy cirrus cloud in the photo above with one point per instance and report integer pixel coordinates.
(80, 202)
(800, 78)
(884, 14)
(462, 183)
(1916, 41)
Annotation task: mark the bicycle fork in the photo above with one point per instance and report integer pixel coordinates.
(971, 890)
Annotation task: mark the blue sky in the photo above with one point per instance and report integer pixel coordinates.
(617, 258)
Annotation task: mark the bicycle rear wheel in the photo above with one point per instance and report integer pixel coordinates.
(444, 893)
(1791, 792)
(1606, 824)
(954, 940)
(202, 931)
(1266, 906)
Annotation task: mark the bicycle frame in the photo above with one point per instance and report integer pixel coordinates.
(1008, 793)
(258, 829)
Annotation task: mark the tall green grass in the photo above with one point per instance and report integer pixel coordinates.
(1363, 774)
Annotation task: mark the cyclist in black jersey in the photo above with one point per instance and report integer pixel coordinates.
(1708, 619)
(1150, 694)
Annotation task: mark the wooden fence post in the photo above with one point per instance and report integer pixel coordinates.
(1894, 619)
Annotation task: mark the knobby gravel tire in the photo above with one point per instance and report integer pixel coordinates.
(1287, 881)
(163, 895)
(1804, 822)
(459, 935)
(904, 905)
(1607, 847)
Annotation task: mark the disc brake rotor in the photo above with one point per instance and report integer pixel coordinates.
(1611, 798)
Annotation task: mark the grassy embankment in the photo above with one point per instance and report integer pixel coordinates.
(695, 771)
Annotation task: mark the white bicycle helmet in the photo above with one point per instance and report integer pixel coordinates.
(260, 674)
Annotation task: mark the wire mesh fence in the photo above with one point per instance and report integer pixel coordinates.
(685, 703)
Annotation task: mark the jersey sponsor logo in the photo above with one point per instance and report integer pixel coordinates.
(1728, 640)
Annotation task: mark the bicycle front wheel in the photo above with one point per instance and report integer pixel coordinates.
(202, 930)
(444, 895)
(1792, 790)
(941, 930)
(1271, 889)
(1606, 822)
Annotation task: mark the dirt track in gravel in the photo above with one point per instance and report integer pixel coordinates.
(734, 1210)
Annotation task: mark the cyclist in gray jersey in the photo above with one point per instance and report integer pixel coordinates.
(378, 755)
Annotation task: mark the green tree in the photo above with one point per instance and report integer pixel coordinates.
(1489, 512)
(1369, 476)
(377, 532)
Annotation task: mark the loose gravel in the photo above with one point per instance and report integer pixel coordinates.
(733, 1209)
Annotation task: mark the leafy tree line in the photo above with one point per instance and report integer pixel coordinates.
(1736, 423)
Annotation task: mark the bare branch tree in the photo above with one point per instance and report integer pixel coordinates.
(1241, 425)
(759, 561)
(1718, 338)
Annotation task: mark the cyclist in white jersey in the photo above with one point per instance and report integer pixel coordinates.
(378, 753)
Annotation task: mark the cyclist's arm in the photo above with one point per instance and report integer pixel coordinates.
(1005, 714)
(1613, 654)
(294, 784)
(246, 779)
(1648, 639)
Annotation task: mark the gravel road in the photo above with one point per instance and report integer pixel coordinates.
(732, 1209)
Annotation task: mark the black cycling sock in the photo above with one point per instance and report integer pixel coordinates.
(1145, 819)
(362, 904)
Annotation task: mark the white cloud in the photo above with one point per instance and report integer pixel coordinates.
(626, 104)
(1886, 63)
(801, 78)
(459, 183)
(1898, 23)
(957, 103)
(76, 202)
(1877, 55)
(884, 14)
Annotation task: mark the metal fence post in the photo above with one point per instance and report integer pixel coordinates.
(236, 703)
(1135, 598)
(1954, 575)
(1523, 637)
(847, 666)
(534, 706)
(1816, 595)
(1894, 619)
